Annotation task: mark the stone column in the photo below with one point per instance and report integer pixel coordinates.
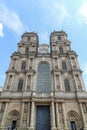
(52, 116)
(26, 82)
(55, 82)
(28, 63)
(53, 63)
(32, 115)
(22, 113)
(6, 82)
(31, 83)
(4, 116)
(11, 82)
(28, 115)
(58, 64)
(71, 62)
(64, 116)
(75, 82)
(82, 83)
(83, 117)
(60, 79)
(57, 116)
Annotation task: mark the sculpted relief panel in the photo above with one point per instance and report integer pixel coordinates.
(44, 48)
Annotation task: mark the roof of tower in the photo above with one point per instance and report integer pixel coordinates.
(27, 34)
(59, 33)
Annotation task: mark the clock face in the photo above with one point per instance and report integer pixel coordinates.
(43, 49)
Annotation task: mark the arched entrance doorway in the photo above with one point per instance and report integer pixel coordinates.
(74, 120)
(13, 119)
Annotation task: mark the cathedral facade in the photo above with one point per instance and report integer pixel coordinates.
(44, 88)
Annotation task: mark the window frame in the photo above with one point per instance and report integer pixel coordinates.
(61, 50)
(20, 85)
(67, 85)
(43, 84)
(23, 65)
(26, 50)
(59, 38)
(64, 66)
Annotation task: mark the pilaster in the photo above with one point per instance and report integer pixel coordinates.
(60, 78)
(26, 82)
(53, 127)
(32, 116)
(82, 82)
(7, 78)
(75, 83)
(64, 116)
(22, 113)
(83, 117)
(28, 115)
(12, 82)
(4, 116)
(57, 117)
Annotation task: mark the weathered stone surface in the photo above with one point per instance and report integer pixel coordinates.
(67, 98)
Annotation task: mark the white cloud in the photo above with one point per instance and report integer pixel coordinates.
(10, 19)
(1, 30)
(54, 11)
(83, 13)
(83, 10)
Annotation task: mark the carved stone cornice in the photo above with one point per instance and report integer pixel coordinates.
(11, 71)
(60, 70)
(81, 95)
(31, 71)
(76, 70)
(22, 71)
(72, 53)
(16, 54)
(57, 95)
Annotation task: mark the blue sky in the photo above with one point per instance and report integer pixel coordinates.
(43, 17)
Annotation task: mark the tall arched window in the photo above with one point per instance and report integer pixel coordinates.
(67, 85)
(26, 50)
(61, 50)
(64, 67)
(43, 78)
(20, 85)
(59, 37)
(23, 66)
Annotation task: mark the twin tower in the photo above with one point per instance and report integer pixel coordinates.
(44, 89)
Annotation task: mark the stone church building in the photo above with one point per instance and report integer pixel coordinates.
(44, 88)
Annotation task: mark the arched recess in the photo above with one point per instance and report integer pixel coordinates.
(43, 84)
(74, 117)
(13, 116)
